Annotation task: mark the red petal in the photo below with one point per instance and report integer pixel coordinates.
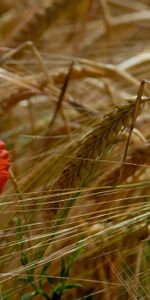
(2, 145)
(4, 165)
(4, 154)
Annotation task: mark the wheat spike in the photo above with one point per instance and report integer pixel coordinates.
(18, 94)
(36, 22)
(96, 144)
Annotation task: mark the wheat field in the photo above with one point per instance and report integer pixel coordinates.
(75, 118)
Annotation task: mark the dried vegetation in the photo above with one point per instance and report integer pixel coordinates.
(70, 72)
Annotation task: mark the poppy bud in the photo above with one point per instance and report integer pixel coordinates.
(4, 165)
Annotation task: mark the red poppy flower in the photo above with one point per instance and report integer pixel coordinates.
(4, 165)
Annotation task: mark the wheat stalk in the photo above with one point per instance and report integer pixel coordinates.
(86, 68)
(116, 23)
